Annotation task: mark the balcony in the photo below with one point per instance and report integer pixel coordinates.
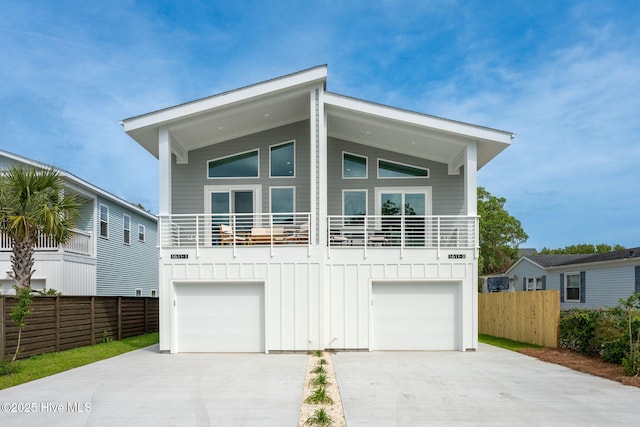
(244, 231)
(79, 243)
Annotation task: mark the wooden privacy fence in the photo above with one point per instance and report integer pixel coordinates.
(530, 317)
(64, 322)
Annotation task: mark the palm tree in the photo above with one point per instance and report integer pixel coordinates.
(33, 203)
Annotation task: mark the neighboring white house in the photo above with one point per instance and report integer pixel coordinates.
(584, 281)
(292, 218)
(113, 250)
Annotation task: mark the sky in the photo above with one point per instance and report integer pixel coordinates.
(564, 76)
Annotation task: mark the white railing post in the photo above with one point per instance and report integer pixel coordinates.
(403, 238)
(438, 238)
(198, 236)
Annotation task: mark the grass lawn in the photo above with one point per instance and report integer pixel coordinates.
(52, 363)
(505, 343)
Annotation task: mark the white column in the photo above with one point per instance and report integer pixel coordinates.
(471, 178)
(164, 159)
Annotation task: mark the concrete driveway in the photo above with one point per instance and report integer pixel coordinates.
(490, 387)
(147, 388)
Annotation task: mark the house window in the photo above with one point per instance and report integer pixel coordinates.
(534, 284)
(282, 160)
(154, 293)
(141, 232)
(353, 166)
(354, 206)
(572, 289)
(138, 292)
(126, 225)
(104, 221)
(282, 201)
(243, 165)
(389, 169)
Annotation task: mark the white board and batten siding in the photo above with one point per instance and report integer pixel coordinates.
(363, 299)
(290, 291)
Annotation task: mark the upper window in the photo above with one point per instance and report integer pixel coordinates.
(243, 165)
(534, 283)
(354, 166)
(282, 160)
(126, 225)
(104, 221)
(141, 232)
(282, 201)
(389, 169)
(573, 287)
(354, 206)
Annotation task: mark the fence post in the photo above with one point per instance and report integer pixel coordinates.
(57, 323)
(146, 313)
(93, 320)
(119, 318)
(3, 329)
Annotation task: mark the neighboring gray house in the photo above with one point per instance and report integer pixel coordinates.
(113, 250)
(584, 281)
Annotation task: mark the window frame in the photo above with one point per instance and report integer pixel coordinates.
(428, 172)
(142, 233)
(271, 147)
(256, 150)
(104, 221)
(293, 200)
(138, 292)
(537, 283)
(154, 293)
(566, 287)
(345, 221)
(126, 229)
(366, 165)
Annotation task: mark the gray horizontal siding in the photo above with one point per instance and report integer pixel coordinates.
(527, 269)
(121, 268)
(189, 180)
(447, 190)
(604, 286)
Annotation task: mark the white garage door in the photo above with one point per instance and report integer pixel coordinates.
(220, 317)
(416, 316)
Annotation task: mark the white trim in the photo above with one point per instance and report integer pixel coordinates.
(138, 292)
(293, 141)
(401, 164)
(144, 233)
(124, 229)
(366, 166)
(153, 293)
(234, 155)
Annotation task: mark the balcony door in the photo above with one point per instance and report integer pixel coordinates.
(408, 208)
(234, 206)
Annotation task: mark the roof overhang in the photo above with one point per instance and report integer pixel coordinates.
(230, 114)
(410, 133)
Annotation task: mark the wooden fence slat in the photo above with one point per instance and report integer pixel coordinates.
(65, 322)
(531, 317)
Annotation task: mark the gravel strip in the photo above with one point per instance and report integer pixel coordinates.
(307, 409)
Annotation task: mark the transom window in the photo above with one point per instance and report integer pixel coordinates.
(282, 160)
(573, 287)
(354, 206)
(104, 221)
(389, 169)
(242, 165)
(353, 166)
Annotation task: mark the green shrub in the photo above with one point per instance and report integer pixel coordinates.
(578, 330)
(319, 418)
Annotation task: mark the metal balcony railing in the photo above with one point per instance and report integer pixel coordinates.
(404, 232)
(234, 230)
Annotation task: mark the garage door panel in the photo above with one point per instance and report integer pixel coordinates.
(415, 316)
(220, 317)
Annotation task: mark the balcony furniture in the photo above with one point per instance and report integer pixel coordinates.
(229, 237)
